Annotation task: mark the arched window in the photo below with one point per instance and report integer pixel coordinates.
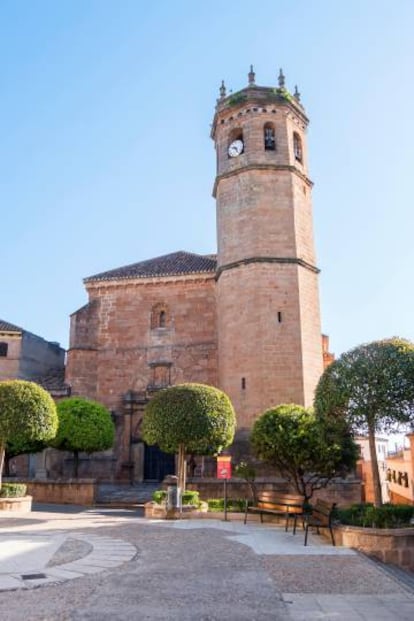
(160, 316)
(297, 147)
(269, 137)
(3, 349)
(235, 145)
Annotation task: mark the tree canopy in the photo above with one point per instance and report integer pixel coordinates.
(27, 415)
(189, 418)
(371, 387)
(84, 426)
(307, 451)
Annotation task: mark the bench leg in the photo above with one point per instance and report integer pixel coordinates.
(295, 519)
(287, 523)
(332, 536)
(261, 518)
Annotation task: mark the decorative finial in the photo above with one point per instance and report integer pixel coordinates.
(251, 76)
(296, 94)
(222, 90)
(281, 79)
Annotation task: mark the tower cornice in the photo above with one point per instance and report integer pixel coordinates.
(260, 95)
(280, 260)
(248, 167)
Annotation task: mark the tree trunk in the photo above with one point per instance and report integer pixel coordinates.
(374, 466)
(6, 466)
(2, 453)
(181, 471)
(75, 464)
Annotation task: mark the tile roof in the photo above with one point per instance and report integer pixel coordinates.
(172, 264)
(9, 327)
(53, 381)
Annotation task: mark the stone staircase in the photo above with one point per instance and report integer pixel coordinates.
(124, 494)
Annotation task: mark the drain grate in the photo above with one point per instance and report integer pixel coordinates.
(33, 576)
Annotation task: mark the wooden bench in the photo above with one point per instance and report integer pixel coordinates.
(320, 516)
(273, 503)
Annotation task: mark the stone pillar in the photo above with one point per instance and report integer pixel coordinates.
(40, 466)
(137, 454)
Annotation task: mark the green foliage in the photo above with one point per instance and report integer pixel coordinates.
(188, 497)
(284, 94)
(19, 446)
(191, 497)
(233, 505)
(386, 516)
(371, 385)
(84, 425)
(27, 413)
(13, 490)
(245, 471)
(197, 416)
(159, 496)
(236, 99)
(307, 451)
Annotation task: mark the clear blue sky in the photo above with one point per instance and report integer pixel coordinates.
(106, 159)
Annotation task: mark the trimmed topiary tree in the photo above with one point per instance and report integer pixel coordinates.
(305, 450)
(27, 415)
(84, 426)
(189, 418)
(371, 387)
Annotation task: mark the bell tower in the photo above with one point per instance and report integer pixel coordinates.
(269, 334)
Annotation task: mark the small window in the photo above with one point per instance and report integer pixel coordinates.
(243, 383)
(3, 349)
(269, 137)
(297, 147)
(161, 376)
(160, 316)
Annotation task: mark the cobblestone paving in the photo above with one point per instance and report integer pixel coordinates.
(329, 574)
(196, 571)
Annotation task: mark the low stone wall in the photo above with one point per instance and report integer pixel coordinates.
(389, 545)
(23, 504)
(72, 492)
(343, 492)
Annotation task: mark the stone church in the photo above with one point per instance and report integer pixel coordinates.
(246, 319)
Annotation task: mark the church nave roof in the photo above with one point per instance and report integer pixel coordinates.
(173, 264)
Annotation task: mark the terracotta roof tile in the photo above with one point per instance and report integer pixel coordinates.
(9, 327)
(53, 381)
(172, 264)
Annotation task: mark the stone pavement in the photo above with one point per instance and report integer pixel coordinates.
(71, 563)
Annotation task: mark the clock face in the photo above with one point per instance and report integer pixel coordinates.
(236, 148)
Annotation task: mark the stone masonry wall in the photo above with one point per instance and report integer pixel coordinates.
(123, 350)
(9, 365)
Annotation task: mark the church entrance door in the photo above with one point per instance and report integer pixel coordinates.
(157, 465)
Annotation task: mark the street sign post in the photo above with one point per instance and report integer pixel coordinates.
(224, 472)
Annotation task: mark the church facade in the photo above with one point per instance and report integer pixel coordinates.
(246, 319)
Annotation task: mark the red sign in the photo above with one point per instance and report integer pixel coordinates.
(224, 466)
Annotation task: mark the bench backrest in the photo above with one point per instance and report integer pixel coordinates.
(280, 502)
(323, 511)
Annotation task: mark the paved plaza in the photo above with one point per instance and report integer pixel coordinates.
(72, 563)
